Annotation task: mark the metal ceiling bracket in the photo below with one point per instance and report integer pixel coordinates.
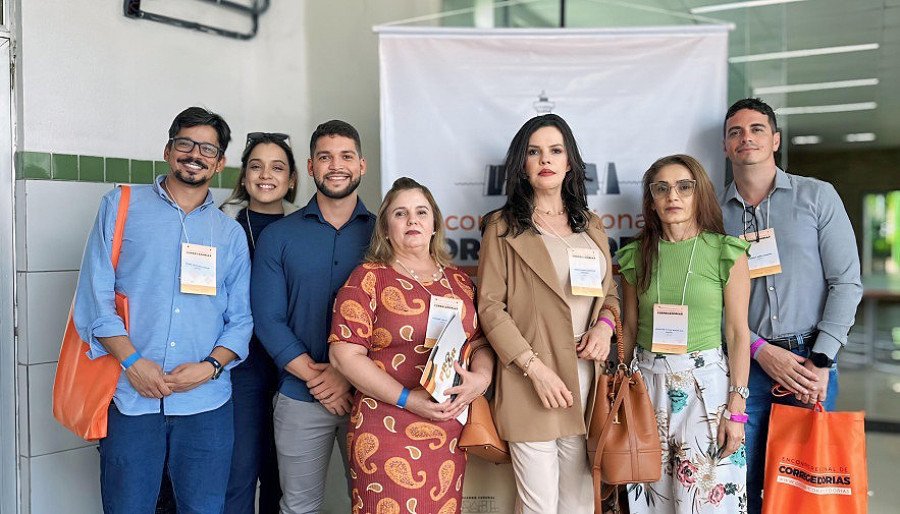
(132, 9)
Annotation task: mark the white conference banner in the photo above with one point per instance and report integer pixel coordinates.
(452, 99)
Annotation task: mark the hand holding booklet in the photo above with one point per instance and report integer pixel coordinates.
(439, 374)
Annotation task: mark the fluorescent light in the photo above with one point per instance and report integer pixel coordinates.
(817, 86)
(806, 140)
(820, 109)
(803, 53)
(739, 5)
(861, 137)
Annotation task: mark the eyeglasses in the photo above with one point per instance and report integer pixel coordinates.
(186, 145)
(254, 137)
(684, 188)
(751, 227)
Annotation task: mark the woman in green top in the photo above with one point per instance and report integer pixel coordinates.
(678, 275)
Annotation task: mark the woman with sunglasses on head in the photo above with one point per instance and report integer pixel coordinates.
(678, 276)
(551, 334)
(263, 194)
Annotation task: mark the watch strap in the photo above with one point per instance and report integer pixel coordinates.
(216, 364)
(820, 360)
(743, 391)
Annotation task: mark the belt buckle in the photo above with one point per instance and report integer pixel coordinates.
(799, 339)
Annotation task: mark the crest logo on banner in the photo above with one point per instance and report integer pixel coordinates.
(452, 99)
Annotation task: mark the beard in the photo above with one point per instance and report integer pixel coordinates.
(336, 194)
(189, 179)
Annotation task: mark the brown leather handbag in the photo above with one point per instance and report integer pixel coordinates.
(623, 442)
(479, 437)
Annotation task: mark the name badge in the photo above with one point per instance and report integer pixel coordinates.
(586, 270)
(440, 312)
(198, 269)
(763, 258)
(670, 328)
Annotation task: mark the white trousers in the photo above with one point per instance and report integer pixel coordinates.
(554, 477)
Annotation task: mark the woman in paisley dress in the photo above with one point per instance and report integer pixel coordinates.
(402, 444)
(682, 257)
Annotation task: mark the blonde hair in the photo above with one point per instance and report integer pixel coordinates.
(380, 249)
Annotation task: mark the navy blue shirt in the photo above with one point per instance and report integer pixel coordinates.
(300, 263)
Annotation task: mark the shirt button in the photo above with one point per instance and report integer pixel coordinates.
(773, 317)
(172, 344)
(771, 288)
(335, 263)
(177, 310)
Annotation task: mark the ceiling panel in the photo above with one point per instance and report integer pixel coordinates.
(775, 28)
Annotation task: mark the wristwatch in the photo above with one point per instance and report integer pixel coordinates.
(216, 364)
(743, 391)
(820, 360)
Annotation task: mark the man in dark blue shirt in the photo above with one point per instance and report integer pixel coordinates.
(300, 263)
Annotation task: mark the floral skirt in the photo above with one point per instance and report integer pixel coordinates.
(689, 393)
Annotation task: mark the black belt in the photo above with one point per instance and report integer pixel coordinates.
(794, 342)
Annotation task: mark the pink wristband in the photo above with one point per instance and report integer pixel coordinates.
(756, 346)
(737, 417)
(608, 322)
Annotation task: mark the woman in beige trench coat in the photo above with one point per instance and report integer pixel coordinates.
(550, 341)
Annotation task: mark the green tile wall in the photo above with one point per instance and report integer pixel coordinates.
(91, 168)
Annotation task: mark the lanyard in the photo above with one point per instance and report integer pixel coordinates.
(250, 228)
(686, 275)
(768, 206)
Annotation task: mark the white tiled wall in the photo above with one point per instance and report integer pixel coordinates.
(58, 215)
(66, 482)
(45, 434)
(47, 297)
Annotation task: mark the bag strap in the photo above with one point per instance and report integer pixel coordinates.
(620, 339)
(121, 217)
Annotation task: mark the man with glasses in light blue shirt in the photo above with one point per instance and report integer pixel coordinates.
(185, 269)
(805, 270)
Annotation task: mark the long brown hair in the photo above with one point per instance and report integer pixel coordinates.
(380, 249)
(707, 212)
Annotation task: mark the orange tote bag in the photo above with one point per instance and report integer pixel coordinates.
(83, 388)
(815, 462)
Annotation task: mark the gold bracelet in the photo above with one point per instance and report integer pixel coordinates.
(528, 364)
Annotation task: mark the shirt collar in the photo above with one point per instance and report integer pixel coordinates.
(157, 186)
(782, 181)
(311, 210)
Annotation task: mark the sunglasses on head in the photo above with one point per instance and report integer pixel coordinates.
(254, 137)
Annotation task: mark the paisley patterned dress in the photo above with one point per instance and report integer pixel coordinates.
(400, 462)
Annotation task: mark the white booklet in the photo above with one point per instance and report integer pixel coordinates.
(439, 374)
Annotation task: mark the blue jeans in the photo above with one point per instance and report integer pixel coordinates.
(254, 383)
(757, 430)
(199, 455)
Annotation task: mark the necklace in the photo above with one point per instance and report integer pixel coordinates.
(550, 212)
(436, 276)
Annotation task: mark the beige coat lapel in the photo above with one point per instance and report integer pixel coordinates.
(532, 250)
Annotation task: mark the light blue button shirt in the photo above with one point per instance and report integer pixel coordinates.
(166, 326)
(819, 285)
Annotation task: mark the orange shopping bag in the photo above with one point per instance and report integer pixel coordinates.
(83, 388)
(815, 462)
